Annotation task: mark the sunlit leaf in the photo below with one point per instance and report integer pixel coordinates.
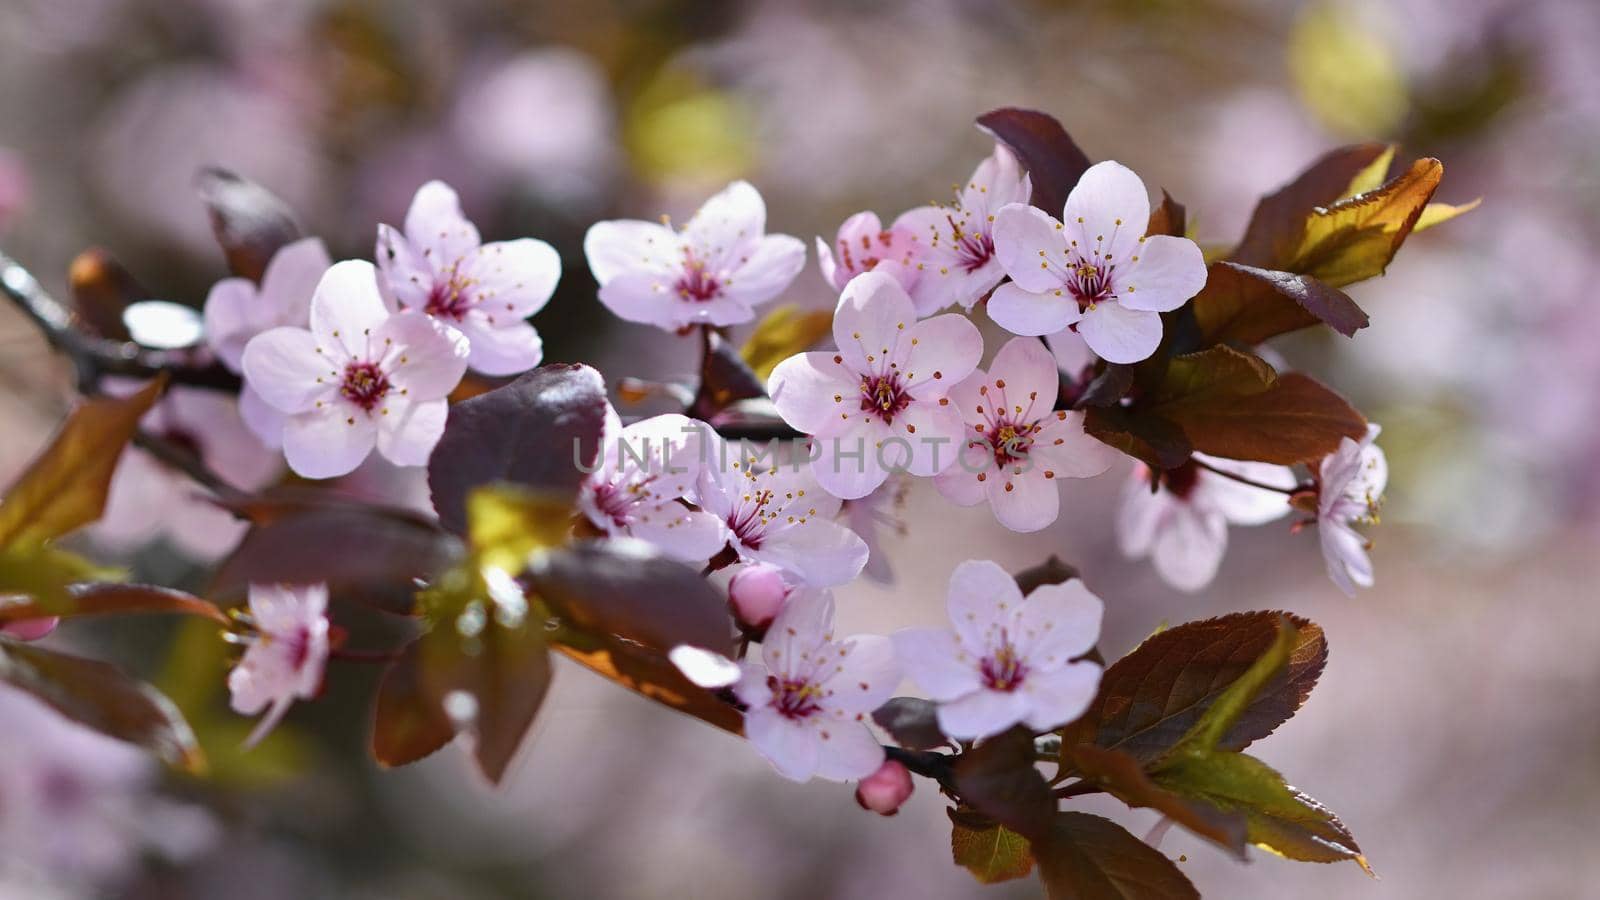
(99, 696)
(1225, 712)
(1149, 699)
(1278, 817)
(37, 578)
(1122, 776)
(1087, 857)
(251, 223)
(541, 431)
(990, 851)
(1355, 238)
(1275, 225)
(505, 523)
(629, 588)
(782, 333)
(1435, 213)
(1053, 161)
(109, 599)
(65, 487)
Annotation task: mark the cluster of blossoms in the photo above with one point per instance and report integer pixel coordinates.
(341, 358)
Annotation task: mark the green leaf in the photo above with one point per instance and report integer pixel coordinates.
(541, 431)
(36, 579)
(107, 599)
(1278, 817)
(998, 779)
(1149, 699)
(990, 851)
(65, 487)
(1222, 715)
(506, 523)
(101, 697)
(1123, 777)
(1437, 213)
(1087, 857)
(1245, 305)
(629, 588)
(782, 333)
(1044, 148)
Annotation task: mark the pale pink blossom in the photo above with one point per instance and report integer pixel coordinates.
(1016, 444)
(1350, 489)
(150, 499)
(958, 262)
(864, 245)
(775, 512)
(885, 790)
(1094, 270)
(287, 651)
(1009, 660)
(713, 272)
(874, 515)
(1072, 353)
(237, 309)
(878, 403)
(1183, 524)
(809, 698)
(441, 267)
(643, 473)
(756, 594)
(361, 376)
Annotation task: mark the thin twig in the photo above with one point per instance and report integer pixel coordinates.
(1249, 481)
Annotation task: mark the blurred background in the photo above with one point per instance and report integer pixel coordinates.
(1451, 730)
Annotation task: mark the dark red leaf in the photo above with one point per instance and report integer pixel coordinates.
(250, 222)
(1087, 857)
(112, 599)
(101, 289)
(540, 431)
(494, 679)
(998, 779)
(408, 722)
(1053, 160)
(912, 722)
(725, 378)
(1245, 305)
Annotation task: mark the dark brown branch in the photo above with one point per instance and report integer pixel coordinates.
(94, 357)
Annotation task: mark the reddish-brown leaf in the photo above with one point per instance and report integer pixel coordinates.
(1245, 305)
(1276, 224)
(998, 778)
(491, 682)
(1087, 857)
(251, 223)
(112, 599)
(1044, 148)
(407, 721)
(649, 673)
(1124, 777)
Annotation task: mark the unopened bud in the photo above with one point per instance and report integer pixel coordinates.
(885, 790)
(757, 594)
(29, 629)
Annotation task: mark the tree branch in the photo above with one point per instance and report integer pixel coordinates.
(93, 357)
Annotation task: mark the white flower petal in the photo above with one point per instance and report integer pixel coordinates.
(933, 659)
(426, 358)
(773, 264)
(1024, 502)
(1057, 623)
(283, 367)
(1021, 234)
(943, 351)
(981, 599)
(1060, 696)
(849, 752)
(436, 226)
(871, 321)
(804, 387)
(622, 246)
(512, 280)
(793, 746)
(1032, 314)
(409, 430)
(1024, 374)
(328, 442)
(347, 307)
(1118, 334)
(982, 713)
(1170, 270)
(509, 348)
(1114, 209)
(1189, 547)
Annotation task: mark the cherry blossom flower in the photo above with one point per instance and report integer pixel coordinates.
(878, 403)
(286, 653)
(1183, 525)
(864, 245)
(362, 376)
(485, 291)
(1350, 491)
(644, 471)
(713, 272)
(1016, 443)
(237, 310)
(1072, 354)
(1094, 270)
(885, 790)
(809, 697)
(774, 512)
(873, 515)
(756, 594)
(958, 262)
(1009, 660)
(149, 498)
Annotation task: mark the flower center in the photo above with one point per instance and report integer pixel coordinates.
(617, 501)
(761, 508)
(794, 698)
(1004, 670)
(973, 249)
(1182, 480)
(1091, 283)
(450, 299)
(365, 384)
(883, 396)
(695, 284)
(1010, 441)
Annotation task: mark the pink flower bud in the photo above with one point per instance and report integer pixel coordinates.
(756, 594)
(884, 790)
(29, 629)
